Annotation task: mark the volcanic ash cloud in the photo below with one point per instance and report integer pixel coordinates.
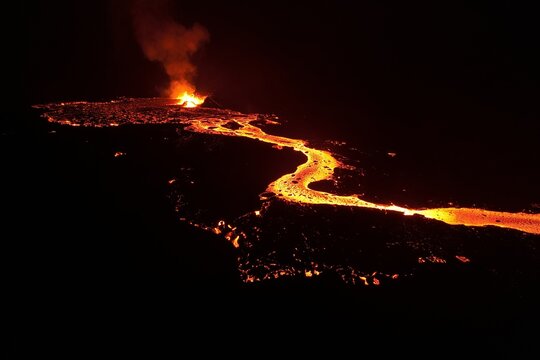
(172, 44)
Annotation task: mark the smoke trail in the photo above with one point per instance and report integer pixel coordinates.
(168, 42)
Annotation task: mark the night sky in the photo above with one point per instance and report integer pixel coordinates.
(446, 72)
(427, 62)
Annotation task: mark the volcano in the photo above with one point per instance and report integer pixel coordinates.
(275, 175)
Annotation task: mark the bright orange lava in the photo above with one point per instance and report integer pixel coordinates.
(190, 100)
(320, 165)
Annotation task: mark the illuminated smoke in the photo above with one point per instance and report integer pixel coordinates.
(172, 44)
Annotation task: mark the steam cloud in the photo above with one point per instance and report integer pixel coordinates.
(172, 44)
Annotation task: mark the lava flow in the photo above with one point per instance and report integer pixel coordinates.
(319, 165)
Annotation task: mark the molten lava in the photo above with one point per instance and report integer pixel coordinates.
(319, 165)
(190, 100)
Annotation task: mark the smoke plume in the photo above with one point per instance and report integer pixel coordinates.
(164, 40)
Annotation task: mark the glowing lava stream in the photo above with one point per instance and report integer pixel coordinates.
(320, 165)
(293, 187)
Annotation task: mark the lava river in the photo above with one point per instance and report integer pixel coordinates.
(319, 164)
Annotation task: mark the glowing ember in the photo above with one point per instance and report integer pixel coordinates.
(431, 259)
(190, 100)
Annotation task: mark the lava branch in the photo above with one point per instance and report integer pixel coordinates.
(320, 165)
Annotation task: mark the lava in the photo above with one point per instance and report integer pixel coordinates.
(319, 164)
(190, 100)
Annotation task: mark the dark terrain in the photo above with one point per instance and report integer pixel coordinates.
(96, 237)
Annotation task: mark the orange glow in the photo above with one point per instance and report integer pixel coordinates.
(190, 100)
(431, 259)
(235, 241)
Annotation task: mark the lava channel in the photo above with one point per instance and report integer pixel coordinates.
(319, 165)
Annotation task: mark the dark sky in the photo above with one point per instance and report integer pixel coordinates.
(397, 67)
